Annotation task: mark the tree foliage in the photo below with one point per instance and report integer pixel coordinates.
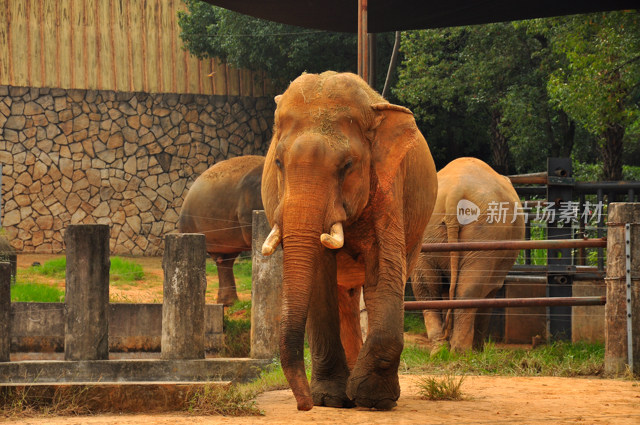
(512, 94)
(600, 85)
(526, 89)
(282, 51)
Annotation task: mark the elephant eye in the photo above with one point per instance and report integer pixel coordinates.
(278, 164)
(347, 165)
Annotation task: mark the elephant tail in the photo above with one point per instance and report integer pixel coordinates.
(454, 259)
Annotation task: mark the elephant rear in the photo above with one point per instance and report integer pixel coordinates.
(474, 204)
(220, 201)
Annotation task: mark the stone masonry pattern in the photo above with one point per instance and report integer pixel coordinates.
(116, 158)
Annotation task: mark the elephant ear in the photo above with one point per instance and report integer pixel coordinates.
(395, 134)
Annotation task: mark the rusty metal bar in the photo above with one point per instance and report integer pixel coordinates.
(504, 302)
(514, 245)
(531, 178)
(363, 40)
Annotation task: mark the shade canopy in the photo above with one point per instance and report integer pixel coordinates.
(395, 15)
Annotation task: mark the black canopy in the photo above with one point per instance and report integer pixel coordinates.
(394, 15)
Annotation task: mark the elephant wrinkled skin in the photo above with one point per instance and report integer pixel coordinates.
(219, 204)
(463, 185)
(348, 187)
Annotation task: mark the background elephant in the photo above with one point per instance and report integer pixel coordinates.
(348, 188)
(464, 184)
(219, 204)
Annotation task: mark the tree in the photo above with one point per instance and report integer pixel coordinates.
(483, 87)
(600, 86)
(282, 51)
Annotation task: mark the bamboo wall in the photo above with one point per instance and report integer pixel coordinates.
(121, 45)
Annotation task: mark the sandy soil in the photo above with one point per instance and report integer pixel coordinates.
(488, 400)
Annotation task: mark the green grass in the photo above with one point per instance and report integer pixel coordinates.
(122, 270)
(36, 292)
(237, 329)
(557, 359)
(414, 322)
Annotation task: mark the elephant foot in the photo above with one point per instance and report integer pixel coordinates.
(330, 394)
(374, 391)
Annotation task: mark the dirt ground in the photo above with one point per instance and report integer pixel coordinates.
(488, 400)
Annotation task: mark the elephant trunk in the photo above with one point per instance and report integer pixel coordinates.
(303, 221)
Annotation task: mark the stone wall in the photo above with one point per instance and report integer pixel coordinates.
(116, 158)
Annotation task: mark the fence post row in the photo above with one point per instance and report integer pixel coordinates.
(185, 284)
(87, 292)
(622, 327)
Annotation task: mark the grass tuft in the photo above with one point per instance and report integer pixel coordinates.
(445, 388)
(228, 401)
(30, 401)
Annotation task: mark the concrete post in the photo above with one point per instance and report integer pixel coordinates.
(5, 312)
(185, 283)
(623, 300)
(266, 293)
(87, 292)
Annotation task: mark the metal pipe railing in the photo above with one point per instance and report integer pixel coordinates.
(503, 303)
(513, 245)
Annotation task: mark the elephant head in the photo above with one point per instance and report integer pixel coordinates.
(333, 181)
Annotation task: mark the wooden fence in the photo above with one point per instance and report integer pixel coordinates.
(121, 45)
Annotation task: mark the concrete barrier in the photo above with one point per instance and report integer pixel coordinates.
(39, 327)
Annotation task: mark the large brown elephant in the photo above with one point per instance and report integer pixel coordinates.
(348, 187)
(474, 204)
(219, 204)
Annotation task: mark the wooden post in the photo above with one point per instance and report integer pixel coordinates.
(622, 311)
(185, 283)
(87, 292)
(266, 293)
(5, 312)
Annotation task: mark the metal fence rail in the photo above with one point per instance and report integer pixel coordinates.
(504, 302)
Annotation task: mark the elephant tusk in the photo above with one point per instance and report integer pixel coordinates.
(334, 240)
(273, 240)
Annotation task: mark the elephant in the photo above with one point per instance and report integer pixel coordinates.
(348, 187)
(474, 203)
(220, 204)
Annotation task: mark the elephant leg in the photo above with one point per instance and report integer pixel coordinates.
(350, 331)
(483, 317)
(471, 284)
(227, 294)
(426, 283)
(329, 365)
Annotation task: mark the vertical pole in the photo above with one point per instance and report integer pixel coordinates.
(87, 292)
(622, 326)
(185, 283)
(5, 312)
(0, 195)
(266, 293)
(371, 65)
(560, 268)
(363, 40)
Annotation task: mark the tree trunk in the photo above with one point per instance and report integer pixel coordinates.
(499, 145)
(612, 152)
